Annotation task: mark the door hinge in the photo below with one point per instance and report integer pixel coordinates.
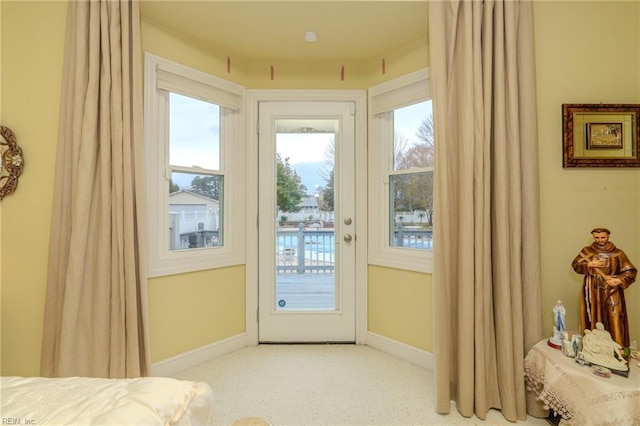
(258, 315)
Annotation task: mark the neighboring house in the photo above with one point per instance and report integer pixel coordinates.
(194, 220)
(309, 211)
(308, 204)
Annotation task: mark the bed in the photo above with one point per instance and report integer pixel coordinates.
(83, 400)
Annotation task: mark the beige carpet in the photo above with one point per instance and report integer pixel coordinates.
(325, 385)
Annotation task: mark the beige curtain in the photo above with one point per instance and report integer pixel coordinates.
(95, 309)
(486, 259)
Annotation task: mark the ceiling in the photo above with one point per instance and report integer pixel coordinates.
(260, 30)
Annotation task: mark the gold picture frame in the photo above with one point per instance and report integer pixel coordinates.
(601, 135)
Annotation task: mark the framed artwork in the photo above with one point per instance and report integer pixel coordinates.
(601, 135)
(11, 162)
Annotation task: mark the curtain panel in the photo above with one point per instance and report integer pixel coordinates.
(486, 279)
(96, 301)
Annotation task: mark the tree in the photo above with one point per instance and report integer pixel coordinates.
(328, 203)
(329, 161)
(400, 145)
(328, 173)
(207, 185)
(425, 131)
(173, 187)
(419, 154)
(289, 187)
(414, 191)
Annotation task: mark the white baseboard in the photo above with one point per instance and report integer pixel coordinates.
(401, 350)
(173, 365)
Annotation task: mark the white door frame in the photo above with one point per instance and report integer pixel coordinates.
(359, 97)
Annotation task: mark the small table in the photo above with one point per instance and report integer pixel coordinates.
(577, 395)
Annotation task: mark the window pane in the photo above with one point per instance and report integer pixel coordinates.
(411, 216)
(413, 136)
(194, 133)
(195, 211)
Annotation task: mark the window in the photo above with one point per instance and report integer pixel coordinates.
(401, 173)
(196, 186)
(195, 169)
(410, 177)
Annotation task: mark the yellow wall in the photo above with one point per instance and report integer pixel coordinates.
(586, 52)
(399, 62)
(568, 71)
(399, 305)
(0, 203)
(188, 311)
(327, 75)
(256, 74)
(32, 43)
(160, 43)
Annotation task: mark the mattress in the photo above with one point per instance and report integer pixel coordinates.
(84, 401)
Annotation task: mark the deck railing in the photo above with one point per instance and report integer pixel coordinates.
(410, 237)
(303, 251)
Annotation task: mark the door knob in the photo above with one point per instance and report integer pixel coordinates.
(347, 238)
(347, 221)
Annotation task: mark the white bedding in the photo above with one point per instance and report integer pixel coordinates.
(85, 401)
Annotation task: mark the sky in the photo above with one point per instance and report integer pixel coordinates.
(304, 147)
(408, 119)
(194, 128)
(306, 152)
(407, 122)
(307, 156)
(194, 133)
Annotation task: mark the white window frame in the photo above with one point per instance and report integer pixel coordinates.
(161, 77)
(383, 99)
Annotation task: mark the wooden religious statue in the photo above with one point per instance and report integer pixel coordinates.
(607, 273)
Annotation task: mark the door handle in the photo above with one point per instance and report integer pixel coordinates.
(347, 238)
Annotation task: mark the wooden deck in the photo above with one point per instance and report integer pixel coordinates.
(305, 291)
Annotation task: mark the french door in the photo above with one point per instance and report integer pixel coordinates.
(306, 236)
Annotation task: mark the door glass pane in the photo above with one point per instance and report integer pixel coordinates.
(305, 238)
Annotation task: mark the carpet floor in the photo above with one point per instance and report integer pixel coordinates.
(326, 385)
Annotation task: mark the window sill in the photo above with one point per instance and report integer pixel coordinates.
(405, 259)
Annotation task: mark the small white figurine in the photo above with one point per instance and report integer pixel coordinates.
(571, 344)
(559, 314)
(599, 348)
(560, 325)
